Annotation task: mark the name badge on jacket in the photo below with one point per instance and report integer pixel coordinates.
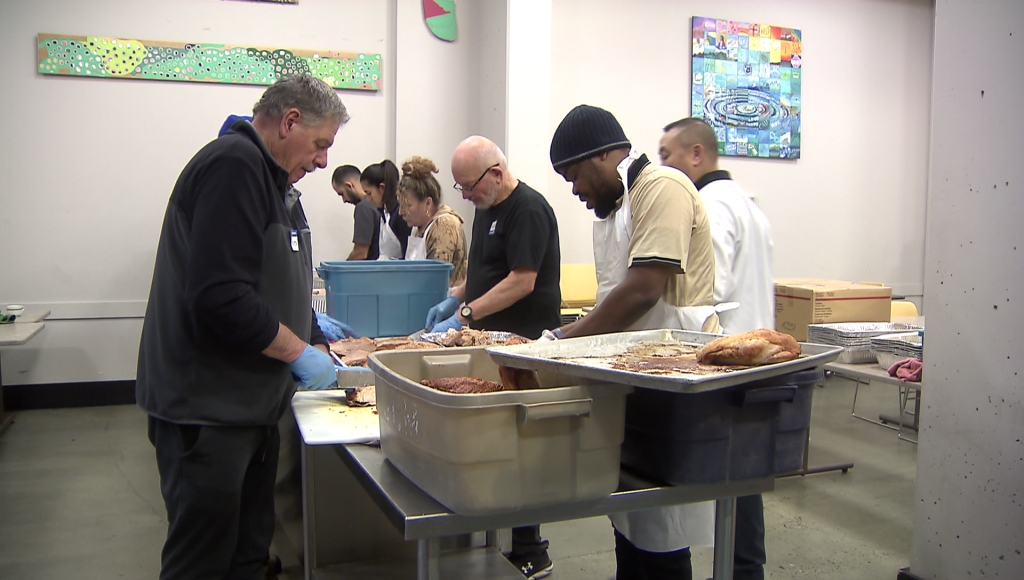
(295, 240)
(494, 226)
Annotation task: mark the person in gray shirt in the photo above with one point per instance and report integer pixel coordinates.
(366, 231)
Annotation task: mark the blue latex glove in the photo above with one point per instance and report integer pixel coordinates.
(441, 310)
(314, 370)
(447, 324)
(333, 329)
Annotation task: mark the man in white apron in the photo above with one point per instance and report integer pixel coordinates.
(655, 269)
(743, 274)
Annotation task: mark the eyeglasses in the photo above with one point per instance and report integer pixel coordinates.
(461, 189)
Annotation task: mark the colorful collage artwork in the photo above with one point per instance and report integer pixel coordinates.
(102, 56)
(746, 84)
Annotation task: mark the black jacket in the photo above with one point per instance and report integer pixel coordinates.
(225, 275)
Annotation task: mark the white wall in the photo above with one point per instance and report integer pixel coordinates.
(92, 161)
(440, 86)
(969, 508)
(852, 207)
(88, 164)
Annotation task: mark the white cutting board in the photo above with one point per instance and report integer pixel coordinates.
(325, 419)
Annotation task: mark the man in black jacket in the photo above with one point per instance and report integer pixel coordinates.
(229, 329)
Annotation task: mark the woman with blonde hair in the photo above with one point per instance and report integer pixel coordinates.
(437, 229)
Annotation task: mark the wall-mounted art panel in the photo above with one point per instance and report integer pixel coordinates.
(106, 57)
(746, 84)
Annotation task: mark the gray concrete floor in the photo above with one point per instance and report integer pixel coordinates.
(80, 498)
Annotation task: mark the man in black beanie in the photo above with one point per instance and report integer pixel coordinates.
(655, 269)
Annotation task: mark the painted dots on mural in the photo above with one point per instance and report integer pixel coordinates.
(103, 56)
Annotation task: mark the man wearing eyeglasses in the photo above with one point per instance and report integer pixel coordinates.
(513, 258)
(512, 283)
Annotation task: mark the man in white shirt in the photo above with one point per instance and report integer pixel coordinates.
(742, 239)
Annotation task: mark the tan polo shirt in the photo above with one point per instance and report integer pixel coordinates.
(670, 226)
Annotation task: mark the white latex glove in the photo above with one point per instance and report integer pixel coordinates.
(547, 336)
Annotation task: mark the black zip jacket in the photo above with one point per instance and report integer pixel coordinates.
(226, 273)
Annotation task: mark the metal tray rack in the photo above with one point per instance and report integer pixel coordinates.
(549, 356)
(855, 337)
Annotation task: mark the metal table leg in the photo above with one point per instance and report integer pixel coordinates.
(6, 417)
(428, 559)
(856, 389)
(725, 538)
(917, 411)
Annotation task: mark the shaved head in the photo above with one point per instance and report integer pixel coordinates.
(691, 131)
(691, 146)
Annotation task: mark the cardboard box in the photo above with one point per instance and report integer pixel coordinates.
(803, 301)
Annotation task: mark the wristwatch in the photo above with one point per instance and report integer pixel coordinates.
(467, 312)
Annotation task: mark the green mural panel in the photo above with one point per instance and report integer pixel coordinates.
(101, 56)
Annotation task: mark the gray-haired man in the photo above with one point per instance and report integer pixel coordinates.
(229, 330)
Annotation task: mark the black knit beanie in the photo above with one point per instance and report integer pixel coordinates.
(585, 132)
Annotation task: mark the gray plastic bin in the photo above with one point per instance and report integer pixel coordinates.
(497, 452)
(747, 431)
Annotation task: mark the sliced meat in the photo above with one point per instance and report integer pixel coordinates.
(362, 397)
(463, 385)
(356, 358)
(755, 347)
(395, 343)
(415, 345)
(347, 345)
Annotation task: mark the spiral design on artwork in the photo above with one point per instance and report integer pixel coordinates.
(744, 108)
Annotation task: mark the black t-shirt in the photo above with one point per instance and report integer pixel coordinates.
(518, 232)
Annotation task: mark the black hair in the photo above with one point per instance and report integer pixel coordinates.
(384, 172)
(345, 173)
(696, 131)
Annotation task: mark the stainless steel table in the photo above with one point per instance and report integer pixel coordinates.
(864, 374)
(361, 518)
(419, 517)
(25, 327)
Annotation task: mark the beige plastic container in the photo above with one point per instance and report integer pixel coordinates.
(497, 452)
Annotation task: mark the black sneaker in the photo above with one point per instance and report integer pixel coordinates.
(533, 567)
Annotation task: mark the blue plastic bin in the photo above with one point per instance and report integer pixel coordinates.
(384, 298)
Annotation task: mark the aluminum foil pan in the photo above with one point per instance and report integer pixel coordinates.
(569, 357)
(855, 333)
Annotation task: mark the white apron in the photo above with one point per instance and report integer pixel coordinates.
(390, 247)
(417, 248)
(660, 529)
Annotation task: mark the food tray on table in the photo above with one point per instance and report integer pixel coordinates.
(496, 337)
(855, 337)
(592, 357)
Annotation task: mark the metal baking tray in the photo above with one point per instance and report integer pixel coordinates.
(546, 356)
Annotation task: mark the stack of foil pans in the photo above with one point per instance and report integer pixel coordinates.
(890, 348)
(855, 337)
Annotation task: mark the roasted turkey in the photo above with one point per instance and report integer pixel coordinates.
(755, 347)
